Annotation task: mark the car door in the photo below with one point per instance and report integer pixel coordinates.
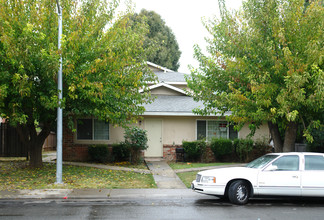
(313, 176)
(281, 177)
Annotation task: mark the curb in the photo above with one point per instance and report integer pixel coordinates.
(102, 194)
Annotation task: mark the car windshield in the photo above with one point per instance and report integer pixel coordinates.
(261, 161)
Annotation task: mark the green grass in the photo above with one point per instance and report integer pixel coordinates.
(187, 177)
(17, 175)
(180, 165)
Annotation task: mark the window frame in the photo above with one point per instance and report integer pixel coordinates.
(217, 120)
(310, 165)
(92, 140)
(287, 158)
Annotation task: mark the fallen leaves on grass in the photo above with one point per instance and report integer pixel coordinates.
(16, 175)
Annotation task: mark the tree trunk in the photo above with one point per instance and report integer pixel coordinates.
(275, 135)
(36, 160)
(34, 142)
(290, 137)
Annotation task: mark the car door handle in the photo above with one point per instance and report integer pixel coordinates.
(295, 177)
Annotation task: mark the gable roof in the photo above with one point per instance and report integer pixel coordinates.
(155, 66)
(171, 77)
(167, 86)
(172, 105)
(175, 106)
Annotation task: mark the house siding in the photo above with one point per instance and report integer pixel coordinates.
(262, 133)
(165, 91)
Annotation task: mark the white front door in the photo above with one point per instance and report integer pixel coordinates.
(154, 135)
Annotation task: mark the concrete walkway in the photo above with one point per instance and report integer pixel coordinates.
(163, 174)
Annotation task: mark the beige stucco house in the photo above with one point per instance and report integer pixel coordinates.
(169, 120)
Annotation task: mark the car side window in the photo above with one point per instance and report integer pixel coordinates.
(287, 163)
(314, 162)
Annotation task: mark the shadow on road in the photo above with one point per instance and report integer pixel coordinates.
(278, 201)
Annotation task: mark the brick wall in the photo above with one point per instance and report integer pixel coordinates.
(209, 156)
(169, 153)
(72, 151)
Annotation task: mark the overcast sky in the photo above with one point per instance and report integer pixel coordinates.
(184, 18)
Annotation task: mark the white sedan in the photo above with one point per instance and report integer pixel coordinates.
(275, 174)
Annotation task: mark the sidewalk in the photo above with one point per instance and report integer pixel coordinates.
(72, 194)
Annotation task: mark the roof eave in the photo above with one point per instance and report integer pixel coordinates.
(180, 114)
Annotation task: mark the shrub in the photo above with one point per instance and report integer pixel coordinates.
(318, 143)
(136, 141)
(260, 148)
(120, 152)
(99, 153)
(194, 149)
(221, 147)
(243, 148)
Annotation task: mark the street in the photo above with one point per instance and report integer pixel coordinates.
(165, 208)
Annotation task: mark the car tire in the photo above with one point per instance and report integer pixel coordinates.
(239, 192)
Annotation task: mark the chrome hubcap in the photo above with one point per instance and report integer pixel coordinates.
(241, 193)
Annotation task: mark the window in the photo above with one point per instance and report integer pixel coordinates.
(215, 129)
(287, 163)
(314, 162)
(92, 129)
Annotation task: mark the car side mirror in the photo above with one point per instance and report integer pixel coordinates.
(272, 168)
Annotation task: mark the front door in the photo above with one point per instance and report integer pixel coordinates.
(154, 135)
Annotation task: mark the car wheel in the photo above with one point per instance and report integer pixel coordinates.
(239, 192)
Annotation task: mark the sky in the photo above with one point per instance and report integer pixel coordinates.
(184, 17)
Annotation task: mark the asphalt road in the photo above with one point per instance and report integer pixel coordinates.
(188, 208)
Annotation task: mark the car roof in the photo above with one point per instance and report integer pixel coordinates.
(298, 153)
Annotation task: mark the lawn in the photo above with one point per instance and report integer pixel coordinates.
(187, 177)
(17, 175)
(181, 165)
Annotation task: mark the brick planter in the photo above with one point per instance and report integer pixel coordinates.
(169, 153)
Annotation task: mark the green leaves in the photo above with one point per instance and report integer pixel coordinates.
(262, 62)
(161, 46)
(103, 65)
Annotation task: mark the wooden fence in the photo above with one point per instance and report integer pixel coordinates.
(11, 146)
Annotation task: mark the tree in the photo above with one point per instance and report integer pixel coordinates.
(103, 66)
(160, 37)
(265, 64)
